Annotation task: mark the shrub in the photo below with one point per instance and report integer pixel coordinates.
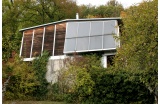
(27, 79)
(22, 81)
(39, 65)
(86, 81)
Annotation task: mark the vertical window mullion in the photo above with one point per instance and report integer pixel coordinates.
(89, 35)
(65, 38)
(32, 44)
(21, 44)
(102, 34)
(54, 40)
(76, 37)
(118, 41)
(44, 29)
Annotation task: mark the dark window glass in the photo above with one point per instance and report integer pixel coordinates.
(27, 42)
(48, 39)
(37, 42)
(60, 37)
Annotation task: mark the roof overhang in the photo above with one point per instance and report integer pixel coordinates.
(70, 20)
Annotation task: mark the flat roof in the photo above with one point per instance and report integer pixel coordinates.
(71, 20)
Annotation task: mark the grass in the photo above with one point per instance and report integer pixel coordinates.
(32, 102)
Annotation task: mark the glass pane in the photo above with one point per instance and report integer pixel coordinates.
(82, 44)
(69, 45)
(27, 41)
(71, 29)
(96, 42)
(109, 27)
(37, 43)
(108, 41)
(83, 29)
(96, 28)
(59, 41)
(48, 39)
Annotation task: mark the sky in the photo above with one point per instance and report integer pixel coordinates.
(125, 3)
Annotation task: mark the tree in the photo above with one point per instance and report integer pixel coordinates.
(22, 82)
(138, 53)
(111, 9)
(20, 14)
(11, 14)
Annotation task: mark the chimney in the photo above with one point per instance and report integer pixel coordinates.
(77, 16)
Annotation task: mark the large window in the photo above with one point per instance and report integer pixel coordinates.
(45, 38)
(90, 36)
(27, 43)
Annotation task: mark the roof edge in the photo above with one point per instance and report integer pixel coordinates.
(70, 20)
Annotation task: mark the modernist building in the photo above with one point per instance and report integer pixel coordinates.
(64, 38)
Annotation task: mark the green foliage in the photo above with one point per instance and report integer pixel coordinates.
(25, 13)
(113, 87)
(39, 65)
(138, 53)
(27, 79)
(75, 75)
(86, 81)
(10, 28)
(111, 9)
(22, 82)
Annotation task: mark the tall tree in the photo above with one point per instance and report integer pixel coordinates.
(112, 9)
(138, 53)
(11, 14)
(20, 14)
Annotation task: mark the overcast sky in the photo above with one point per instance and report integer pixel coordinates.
(125, 3)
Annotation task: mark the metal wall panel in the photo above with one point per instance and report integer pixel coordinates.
(72, 30)
(109, 42)
(109, 27)
(70, 45)
(92, 35)
(95, 42)
(83, 29)
(82, 44)
(96, 28)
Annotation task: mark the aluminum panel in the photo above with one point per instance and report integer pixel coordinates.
(95, 42)
(82, 44)
(69, 45)
(83, 29)
(71, 29)
(96, 28)
(108, 42)
(109, 27)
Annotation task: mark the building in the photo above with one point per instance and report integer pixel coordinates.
(64, 38)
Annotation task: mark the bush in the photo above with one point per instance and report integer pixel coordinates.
(116, 87)
(39, 65)
(86, 81)
(22, 82)
(27, 79)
